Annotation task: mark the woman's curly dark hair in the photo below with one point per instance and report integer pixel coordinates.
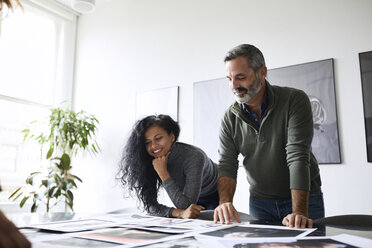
(137, 173)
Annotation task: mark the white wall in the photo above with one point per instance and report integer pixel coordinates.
(128, 46)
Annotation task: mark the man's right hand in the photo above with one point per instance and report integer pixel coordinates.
(226, 213)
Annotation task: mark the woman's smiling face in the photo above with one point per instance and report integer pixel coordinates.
(158, 142)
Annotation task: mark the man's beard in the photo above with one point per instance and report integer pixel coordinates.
(249, 94)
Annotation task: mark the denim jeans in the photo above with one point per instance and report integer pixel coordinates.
(210, 202)
(276, 210)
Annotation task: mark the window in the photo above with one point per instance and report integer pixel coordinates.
(36, 73)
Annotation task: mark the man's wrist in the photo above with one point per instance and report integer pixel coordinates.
(299, 213)
(300, 209)
(300, 202)
(224, 200)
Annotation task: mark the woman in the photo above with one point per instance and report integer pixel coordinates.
(152, 158)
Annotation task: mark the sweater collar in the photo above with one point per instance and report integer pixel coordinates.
(237, 109)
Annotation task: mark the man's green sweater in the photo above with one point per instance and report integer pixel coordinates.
(277, 155)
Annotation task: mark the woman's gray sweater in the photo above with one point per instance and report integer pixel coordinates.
(192, 175)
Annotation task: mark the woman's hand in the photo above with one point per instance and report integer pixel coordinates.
(160, 166)
(192, 212)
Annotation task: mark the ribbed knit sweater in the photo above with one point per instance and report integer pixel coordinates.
(192, 175)
(277, 155)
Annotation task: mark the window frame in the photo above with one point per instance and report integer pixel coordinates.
(64, 75)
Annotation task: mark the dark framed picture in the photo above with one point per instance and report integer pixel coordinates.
(365, 60)
(317, 80)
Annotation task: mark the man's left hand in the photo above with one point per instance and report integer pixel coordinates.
(297, 221)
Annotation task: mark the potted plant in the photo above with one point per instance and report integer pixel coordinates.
(68, 133)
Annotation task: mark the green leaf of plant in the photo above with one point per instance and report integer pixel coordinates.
(26, 133)
(94, 148)
(65, 161)
(34, 207)
(58, 193)
(30, 179)
(59, 166)
(36, 196)
(15, 198)
(45, 183)
(78, 178)
(63, 185)
(15, 192)
(23, 201)
(70, 204)
(70, 195)
(50, 152)
(72, 182)
(52, 191)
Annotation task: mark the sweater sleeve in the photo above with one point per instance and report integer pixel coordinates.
(228, 152)
(160, 210)
(193, 171)
(300, 134)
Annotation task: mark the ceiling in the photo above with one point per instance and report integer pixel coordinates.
(68, 3)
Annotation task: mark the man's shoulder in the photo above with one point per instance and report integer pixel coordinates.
(231, 111)
(287, 94)
(232, 108)
(286, 90)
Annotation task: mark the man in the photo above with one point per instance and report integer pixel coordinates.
(272, 127)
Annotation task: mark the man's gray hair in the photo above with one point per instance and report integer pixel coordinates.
(253, 55)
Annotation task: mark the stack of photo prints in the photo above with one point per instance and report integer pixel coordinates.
(134, 230)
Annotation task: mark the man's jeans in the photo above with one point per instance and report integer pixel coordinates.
(272, 210)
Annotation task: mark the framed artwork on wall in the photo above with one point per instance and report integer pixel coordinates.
(159, 101)
(317, 80)
(365, 60)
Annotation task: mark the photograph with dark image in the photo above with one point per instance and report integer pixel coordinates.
(317, 80)
(254, 232)
(365, 60)
(308, 243)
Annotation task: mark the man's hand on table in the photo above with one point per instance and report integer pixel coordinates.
(226, 213)
(297, 220)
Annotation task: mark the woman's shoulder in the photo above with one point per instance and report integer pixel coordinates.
(189, 156)
(188, 147)
(189, 150)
